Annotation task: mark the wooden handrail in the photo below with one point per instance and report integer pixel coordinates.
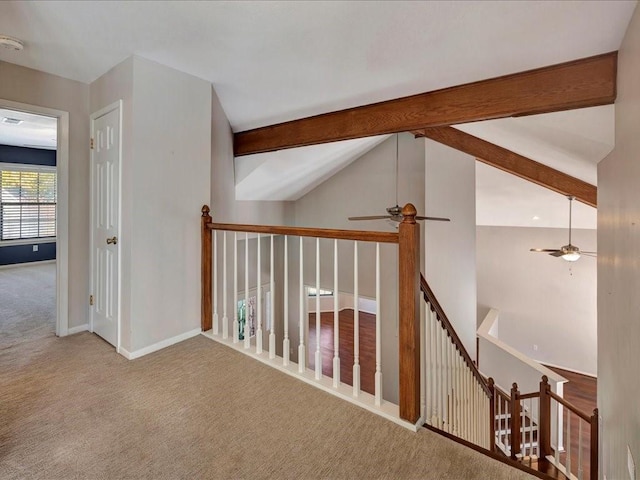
(446, 324)
(358, 235)
(525, 396)
(570, 406)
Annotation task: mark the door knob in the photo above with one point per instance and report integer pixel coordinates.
(112, 241)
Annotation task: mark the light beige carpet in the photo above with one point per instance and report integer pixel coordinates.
(27, 303)
(71, 408)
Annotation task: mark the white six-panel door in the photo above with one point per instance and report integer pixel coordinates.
(105, 193)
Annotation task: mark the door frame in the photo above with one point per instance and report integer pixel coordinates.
(118, 104)
(62, 207)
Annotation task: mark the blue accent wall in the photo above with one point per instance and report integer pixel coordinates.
(13, 254)
(30, 156)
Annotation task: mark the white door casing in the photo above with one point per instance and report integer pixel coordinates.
(62, 208)
(105, 222)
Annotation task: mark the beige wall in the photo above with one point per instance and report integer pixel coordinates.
(224, 206)
(450, 191)
(619, 270)
(24, 85)
(543, 301)
(165, 180)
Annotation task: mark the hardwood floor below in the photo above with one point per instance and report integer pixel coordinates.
(367, 340)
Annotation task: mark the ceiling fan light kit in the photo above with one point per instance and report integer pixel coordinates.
(569, 252)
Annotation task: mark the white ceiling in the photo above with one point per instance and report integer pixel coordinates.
(276, 61)
(35, 131)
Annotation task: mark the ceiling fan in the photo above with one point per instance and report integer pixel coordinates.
(395, 213)
(569, 252)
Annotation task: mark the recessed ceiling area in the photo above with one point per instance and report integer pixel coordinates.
(289, 174)
(27, 129)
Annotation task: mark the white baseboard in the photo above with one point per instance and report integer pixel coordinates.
(573, 370)
(160, 345)
(27, 264)
(78, 329)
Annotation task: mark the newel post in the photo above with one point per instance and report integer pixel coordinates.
(516, 434)
(593, 466)
(492, 414)
(544, 422)
(206, 311)
(409, 313)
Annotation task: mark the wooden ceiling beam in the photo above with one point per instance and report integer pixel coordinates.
(513, 163)
(581, 83)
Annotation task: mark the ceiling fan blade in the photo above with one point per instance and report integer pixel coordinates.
(557, 253)
(547, 250)
(437, 219)
(589, 254)
(371, 217)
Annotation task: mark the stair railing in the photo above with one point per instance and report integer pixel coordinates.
(535, 428)
(229, 277)
(458, 399)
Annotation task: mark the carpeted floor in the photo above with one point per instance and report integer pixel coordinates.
(27, 303)
(71, 408)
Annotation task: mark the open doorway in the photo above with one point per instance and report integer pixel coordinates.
(33, 223)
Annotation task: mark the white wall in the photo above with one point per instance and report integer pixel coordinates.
(543, 300)
(619, 270)
(171, 181)
(166, 180)
(451, 246)
(24, 85)
(365, 187)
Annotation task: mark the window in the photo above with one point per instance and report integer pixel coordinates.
(27, 202)
(323, 293)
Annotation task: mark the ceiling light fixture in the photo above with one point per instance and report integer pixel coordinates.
(11, 43)
(12, 121)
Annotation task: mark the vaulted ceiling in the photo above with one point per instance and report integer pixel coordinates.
(276, 61)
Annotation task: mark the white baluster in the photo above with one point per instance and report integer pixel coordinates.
(247, 329)
(225, 319)
(236, 324)
(531, 450)
(500, 440)
(318, 362)
(438, 376)
(427, 364)
(459, 368)
(272, 309)
(434, 366)
(302, 360)
(286, 343)
(336, 318)
(568, 441)
(523, 428)
(216, 326)
(356, 324)
(423, 362)
(378, 375)
(259, 299)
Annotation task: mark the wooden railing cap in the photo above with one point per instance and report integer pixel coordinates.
(205, 210)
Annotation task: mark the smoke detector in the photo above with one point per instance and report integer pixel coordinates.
(11, 43)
